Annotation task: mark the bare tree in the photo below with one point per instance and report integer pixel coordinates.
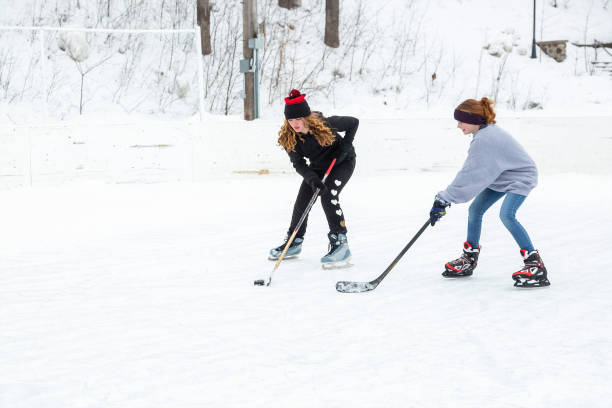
(289, 4)
(500, 75)
(84, 71)
(204, 22)
(7, 65)
(332, 21)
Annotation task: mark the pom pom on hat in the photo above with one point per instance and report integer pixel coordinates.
(296, 105)
(294, 93)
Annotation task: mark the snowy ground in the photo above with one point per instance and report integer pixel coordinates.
(126, 273)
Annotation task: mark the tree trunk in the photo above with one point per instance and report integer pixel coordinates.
(204, 23)
(249, 30)
(289, 4)
(332, 20)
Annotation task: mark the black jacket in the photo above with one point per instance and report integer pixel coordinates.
(319, 156)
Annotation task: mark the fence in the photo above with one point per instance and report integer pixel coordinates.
(41, 30)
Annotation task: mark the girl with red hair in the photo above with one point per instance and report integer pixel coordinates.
(497, 166)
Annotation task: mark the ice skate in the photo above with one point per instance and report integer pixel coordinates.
(533, 273)
(292, 252)
(464, 265)
(339, 253)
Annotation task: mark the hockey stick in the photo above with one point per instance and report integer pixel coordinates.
(358, 287)
(295, 231)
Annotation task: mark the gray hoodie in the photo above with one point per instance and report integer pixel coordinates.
(496, 161)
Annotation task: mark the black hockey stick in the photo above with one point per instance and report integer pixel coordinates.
(358, 287)
(261, 282)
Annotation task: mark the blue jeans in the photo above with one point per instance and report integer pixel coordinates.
(511, 203)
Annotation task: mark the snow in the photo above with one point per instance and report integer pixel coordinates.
(389, 51)
(126, 275)
(75, 44)
(131, 235)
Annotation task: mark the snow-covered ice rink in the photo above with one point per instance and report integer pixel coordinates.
(128, 254)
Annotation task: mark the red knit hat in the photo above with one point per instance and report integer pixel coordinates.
(296, 105)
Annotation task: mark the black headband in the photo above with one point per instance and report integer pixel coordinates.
(471, 118)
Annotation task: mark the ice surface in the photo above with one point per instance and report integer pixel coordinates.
(126, 274)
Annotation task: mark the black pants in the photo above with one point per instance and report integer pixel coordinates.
(330, 200)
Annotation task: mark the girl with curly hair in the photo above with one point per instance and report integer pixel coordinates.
(309, 135)
(497, 166)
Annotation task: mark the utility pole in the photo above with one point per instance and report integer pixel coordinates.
(533, 43)
(249, 64)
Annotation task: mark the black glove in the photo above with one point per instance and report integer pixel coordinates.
(314, 182)
(438, 210)
(345, 150)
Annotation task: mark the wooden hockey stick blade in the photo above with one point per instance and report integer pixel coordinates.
(299, 224)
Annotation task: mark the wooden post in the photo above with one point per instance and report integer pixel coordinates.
(289, 4)
(204, 23)
(332, 20)
(249, 30)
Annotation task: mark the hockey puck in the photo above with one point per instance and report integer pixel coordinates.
(259, 282)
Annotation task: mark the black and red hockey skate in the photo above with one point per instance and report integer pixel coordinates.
(464, 265)
(533, 273)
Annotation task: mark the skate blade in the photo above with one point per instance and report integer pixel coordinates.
(336, 265)
(449, 276)
(527, 283)
(271, 258)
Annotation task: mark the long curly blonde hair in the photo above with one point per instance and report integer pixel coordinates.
(287, 137)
